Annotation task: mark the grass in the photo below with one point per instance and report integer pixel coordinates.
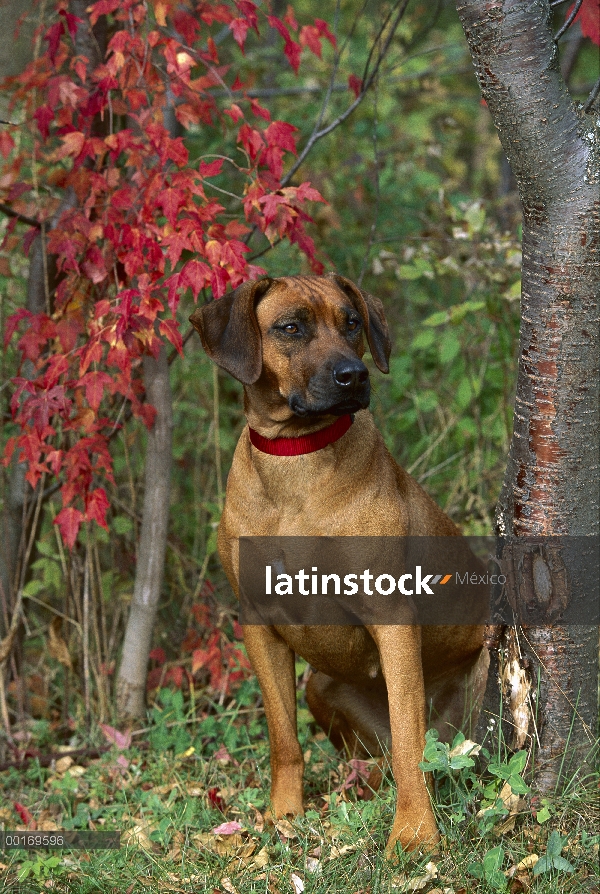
(195, 768)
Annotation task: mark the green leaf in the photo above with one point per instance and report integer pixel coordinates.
(562, 865)
(423, 339)
(493, 859)
(542, 865)
(475, 217)
(517, 762)
(211, 544)
(464, 395)
(122, 525)
(33, 587)
(517, 785)
(460, 311)
(449, 347)
(543, 815)
(514, 292)
(496, 879)
(408, 271)
(475, 869)
(436, 319)
(460, 761)
(555, 844)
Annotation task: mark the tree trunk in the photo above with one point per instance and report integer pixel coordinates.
(12, 516)
(551, 485)
(131, 681)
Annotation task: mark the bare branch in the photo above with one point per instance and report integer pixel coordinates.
(399, 9)
(569, 20)
(10, 212)
(593, 96)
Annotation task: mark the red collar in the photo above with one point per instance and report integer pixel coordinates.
(305, 443)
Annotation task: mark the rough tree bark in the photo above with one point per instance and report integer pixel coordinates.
(551, 485)
(131, 680)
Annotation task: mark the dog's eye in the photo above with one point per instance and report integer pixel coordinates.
(291, 328)
(353, 324)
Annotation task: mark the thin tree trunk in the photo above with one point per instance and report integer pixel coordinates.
(551, 485)
(15, 488)
(131, 681)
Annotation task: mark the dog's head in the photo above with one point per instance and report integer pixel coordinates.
(301, 339)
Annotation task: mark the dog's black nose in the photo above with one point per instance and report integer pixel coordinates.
(350, 373)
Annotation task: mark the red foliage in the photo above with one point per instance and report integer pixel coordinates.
(143, 225)
(589, 19)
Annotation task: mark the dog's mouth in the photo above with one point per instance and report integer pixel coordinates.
(304, 410)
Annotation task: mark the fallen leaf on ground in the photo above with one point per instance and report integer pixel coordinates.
(139, 835)
(345, 849)
(416, 883)
(297, 883)
(285, 829)
(227, 828)
(63, 764)
(527, 862)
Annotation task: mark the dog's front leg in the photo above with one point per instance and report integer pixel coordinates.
(400, 655)
(273, 663)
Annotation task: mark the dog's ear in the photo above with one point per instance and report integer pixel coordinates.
(372, 313)
(229, 330)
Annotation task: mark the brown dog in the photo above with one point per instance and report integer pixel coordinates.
(296, 344)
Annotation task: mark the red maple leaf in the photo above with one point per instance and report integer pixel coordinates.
(589, 19)
(95, 382)
(239, 29)
(44, 115)
(53, 36)
(25, 816)
(355, 85)
(96, 506)
(69, 521)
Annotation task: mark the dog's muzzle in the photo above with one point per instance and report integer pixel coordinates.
(342, 388)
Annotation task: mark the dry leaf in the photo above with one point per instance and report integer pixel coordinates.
(527, 862)
(227, 886)
(177, 842)
(242, 857)
(297, 883)
(509, 799)
(63, 764)
(345, 849)
(466, 747)
(261, 859)
(165, 789)
(140, 836)
(285, 829)
(57, 647)
(160, 885)
(402, 883)
(313, 865)
(506, 826)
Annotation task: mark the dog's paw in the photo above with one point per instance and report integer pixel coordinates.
(423, 837)
(281, 819)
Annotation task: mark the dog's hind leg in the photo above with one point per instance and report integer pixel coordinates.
(355, 719)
